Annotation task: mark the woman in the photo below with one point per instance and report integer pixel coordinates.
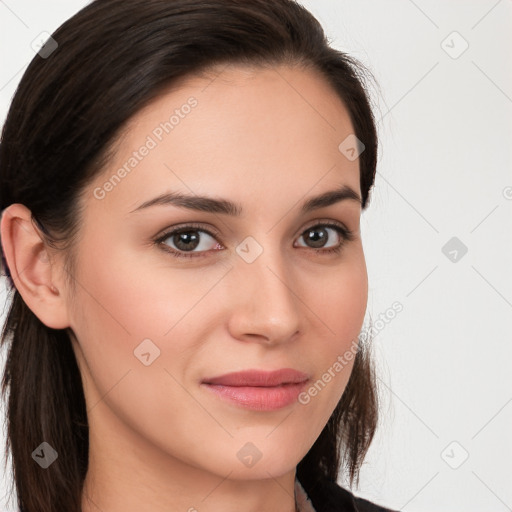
(181, 188)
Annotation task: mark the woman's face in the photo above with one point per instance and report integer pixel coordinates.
(256, 290)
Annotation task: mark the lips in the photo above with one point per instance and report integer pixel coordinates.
(258, 390)
(259, 378)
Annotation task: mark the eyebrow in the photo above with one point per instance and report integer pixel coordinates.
(226, 207)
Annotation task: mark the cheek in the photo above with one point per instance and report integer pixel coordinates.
(119, 317)
(135, 296)
(340, 306)
(128, 313)
(341, 301)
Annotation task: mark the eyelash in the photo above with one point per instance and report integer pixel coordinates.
(345, 233)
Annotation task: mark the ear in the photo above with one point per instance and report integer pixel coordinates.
(30, 265)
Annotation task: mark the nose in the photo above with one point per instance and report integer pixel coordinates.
(265, 307)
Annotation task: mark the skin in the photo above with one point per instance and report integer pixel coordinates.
(267, 139)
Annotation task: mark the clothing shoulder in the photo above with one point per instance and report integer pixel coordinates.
(331, 497)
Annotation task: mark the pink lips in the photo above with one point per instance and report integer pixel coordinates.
(259, 390)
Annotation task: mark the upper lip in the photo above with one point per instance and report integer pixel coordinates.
(259, 378)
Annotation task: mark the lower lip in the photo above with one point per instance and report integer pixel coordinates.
(259, 398)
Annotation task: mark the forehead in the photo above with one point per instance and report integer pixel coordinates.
(235, 129)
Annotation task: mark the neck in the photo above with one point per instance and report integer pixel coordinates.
(128, 474)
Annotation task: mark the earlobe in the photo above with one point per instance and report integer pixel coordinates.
(30, 266)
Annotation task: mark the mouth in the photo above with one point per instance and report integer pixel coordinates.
(259, 390)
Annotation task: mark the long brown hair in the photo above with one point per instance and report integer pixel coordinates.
(110, 60)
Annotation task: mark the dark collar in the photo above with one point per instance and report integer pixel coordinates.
(328, 496)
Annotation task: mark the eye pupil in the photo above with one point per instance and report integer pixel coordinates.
(189, 239)
(318, 240)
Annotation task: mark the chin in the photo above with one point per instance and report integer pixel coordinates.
(261, 470)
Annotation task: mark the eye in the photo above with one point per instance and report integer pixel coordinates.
(195, 241)
(188, 239)
(319, 235)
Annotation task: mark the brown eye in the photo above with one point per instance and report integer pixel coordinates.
(317, 237)
(187, 239)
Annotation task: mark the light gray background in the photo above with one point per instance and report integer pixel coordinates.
(445, 124)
